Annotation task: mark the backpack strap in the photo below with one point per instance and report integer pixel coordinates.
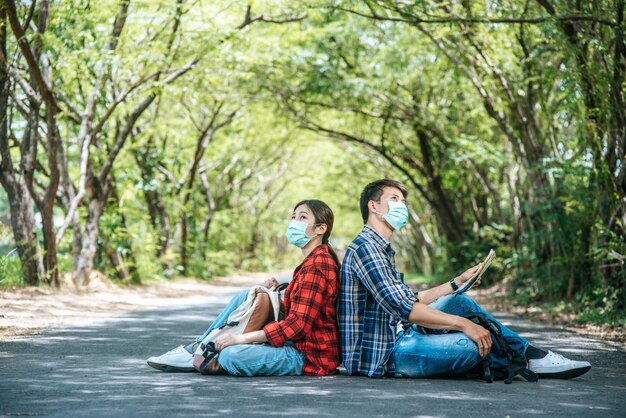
(487, 372)
(228, 324)
(207, 361)
(517, 364)
(528, 374)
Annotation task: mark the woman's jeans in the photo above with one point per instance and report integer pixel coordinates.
(234, 303)
(425, 353)
(255, 359)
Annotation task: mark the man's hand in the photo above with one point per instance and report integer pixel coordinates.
(271, 282)
(479, 335)
(225, 340)
(460, 280)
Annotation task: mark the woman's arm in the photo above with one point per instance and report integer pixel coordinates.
(307, 301)
(225, 340)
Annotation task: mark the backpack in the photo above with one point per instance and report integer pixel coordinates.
(262, 305)
(506, 358)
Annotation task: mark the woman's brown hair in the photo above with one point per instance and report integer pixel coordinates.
(323, 215)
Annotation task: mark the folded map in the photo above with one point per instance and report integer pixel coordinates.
(483, 266)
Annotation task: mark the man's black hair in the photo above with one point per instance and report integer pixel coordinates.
(374, 191)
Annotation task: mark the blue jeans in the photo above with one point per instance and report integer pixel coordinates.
(421, 353)
(261, 360)
(234, 303)
(255, 359)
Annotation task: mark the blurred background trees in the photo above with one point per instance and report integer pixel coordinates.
(172, 138)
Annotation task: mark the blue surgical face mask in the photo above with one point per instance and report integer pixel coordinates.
(397, 216)
(296, 233)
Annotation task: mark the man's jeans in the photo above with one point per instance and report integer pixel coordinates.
(425, 353)
(255, 359)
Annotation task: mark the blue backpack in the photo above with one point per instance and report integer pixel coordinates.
(506, 358)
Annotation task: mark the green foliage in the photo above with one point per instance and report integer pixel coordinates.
(5, 214)
(473, 250)
(500, 132)
(10, 271)
(10, 266)
(424, 279)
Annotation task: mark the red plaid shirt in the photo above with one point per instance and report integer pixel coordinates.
(310, 314)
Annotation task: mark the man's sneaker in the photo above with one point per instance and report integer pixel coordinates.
(556, 366)
(176, 360)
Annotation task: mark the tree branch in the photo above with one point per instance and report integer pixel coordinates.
(249, 19)
(485, 20)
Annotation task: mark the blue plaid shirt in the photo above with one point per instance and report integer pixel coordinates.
(372, 300)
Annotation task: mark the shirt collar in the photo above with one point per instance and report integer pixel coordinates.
(322, 248)
(377, 238)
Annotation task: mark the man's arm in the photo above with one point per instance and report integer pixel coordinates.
(396, 298)
(374, 271)
(432, 294)
(428, 317)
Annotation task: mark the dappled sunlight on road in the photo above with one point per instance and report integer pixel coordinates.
(100, 370)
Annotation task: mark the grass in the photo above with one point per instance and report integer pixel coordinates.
(585, 314)
(10, 272)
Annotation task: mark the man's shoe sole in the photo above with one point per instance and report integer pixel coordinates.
(567, 374)
(168, 368)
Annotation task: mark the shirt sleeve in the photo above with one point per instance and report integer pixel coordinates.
(374, 270)
(306, 304)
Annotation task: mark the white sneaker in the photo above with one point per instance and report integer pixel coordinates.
(558, 367)
(176, 360)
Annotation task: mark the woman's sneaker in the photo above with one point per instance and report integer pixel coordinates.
(556, 366)
(176, 360)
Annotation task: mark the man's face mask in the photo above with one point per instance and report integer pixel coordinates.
(296, 233)
(398, 214)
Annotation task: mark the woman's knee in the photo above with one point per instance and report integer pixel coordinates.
(229, 359)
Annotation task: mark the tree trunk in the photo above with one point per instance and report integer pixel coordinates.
(24, 231)
(84, 264)
(49, 242)
(451, 223)
(184, 237)
(125, 269)
(38, 70)
(160, 222)
(512, 176)
(156, 203)
(20, 201)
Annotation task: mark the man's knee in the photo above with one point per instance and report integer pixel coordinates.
(468, 357)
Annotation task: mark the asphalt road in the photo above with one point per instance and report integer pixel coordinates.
(100, 370)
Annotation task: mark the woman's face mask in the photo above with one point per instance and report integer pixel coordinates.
(398, 214)
(296, 233)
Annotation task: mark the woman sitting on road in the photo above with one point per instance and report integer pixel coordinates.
(306, 341)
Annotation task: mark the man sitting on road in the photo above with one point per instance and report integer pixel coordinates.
(374, 300)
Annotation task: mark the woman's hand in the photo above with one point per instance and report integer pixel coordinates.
(225, 340)
(271, 282)
(460, 280)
